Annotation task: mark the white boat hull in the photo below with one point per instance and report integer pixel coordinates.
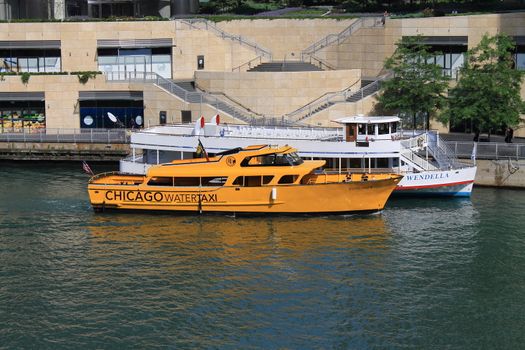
(456, 183)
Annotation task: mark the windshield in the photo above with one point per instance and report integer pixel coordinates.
(273, 159)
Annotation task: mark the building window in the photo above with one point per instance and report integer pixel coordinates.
(135, 62)
(22, 116)
(30, 60)
(110, 114)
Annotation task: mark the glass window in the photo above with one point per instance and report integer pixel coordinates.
(361, 129)
(288, 179)
(267, 179)
(371, 129)
(213, 181)
(161, 181)
(383, 128)
(186, 181)
(248, 181)
(393, 127)
(520, 61)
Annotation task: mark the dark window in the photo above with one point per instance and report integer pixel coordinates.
(393, 127)
(371, 129)
(161, 181)
(213, 181)
(186, 181)
(267, 179)
(382, 128)
(361, 129)
(288, 179)
(248, 181)
(274, 159)
(185, 117)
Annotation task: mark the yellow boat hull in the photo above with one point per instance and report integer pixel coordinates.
(337, 198)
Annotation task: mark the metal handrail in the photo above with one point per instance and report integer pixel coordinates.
(488, 150)
(249, 63)
(73, 135)
(337, 97)
(237, 111)
(260, 50)
(326, 98)
(321, 62)
(338, 38)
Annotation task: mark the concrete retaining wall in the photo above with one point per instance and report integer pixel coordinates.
(501, 173)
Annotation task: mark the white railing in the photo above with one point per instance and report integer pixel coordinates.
(413, 159)
(488, 150)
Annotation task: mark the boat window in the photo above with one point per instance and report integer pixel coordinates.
(267, 179)
(213, 181)
(361, 129)
(186, 181)
(382, 128)
(248, 181)
(371, 129)
(273, 159)
(288, 179)
(393, 127)
(161, 181)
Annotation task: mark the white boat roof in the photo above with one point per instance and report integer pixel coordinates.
(358, 119)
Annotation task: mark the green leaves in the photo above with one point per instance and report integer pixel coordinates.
(418, 86)
(488, 92)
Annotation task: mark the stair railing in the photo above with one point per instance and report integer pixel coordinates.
(409, 156)
(346, 95)
(328, 98)
(236, 111)
(320, 62)
(443, 154)
(364, 22)
(253, 62)
(201, 23)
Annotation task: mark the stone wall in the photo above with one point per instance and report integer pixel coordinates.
(277, 93)
(501, 173)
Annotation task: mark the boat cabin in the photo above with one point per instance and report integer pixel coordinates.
(363, 129)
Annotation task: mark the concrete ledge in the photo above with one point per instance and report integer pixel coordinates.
(62, 151)
(500, 173)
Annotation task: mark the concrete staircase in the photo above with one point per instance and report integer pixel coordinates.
(285, 66)
(368, 87)
(204, 24)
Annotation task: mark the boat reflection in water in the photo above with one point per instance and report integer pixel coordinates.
(237, 239)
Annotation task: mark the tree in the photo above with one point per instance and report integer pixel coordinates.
(488, 92)
(418, 86)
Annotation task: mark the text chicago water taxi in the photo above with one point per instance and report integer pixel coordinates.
(256, 179)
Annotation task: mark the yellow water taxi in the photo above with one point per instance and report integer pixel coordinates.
(255, 179)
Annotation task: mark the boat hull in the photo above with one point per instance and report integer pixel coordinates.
(446, 183)
(331, 198)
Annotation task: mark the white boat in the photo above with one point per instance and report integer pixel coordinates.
(361, 144)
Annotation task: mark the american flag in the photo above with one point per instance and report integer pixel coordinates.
(86, 168)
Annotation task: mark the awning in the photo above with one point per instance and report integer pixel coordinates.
(22, 96)
(30, 44)
(110, 95)
(133, 43)
(445, 40)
